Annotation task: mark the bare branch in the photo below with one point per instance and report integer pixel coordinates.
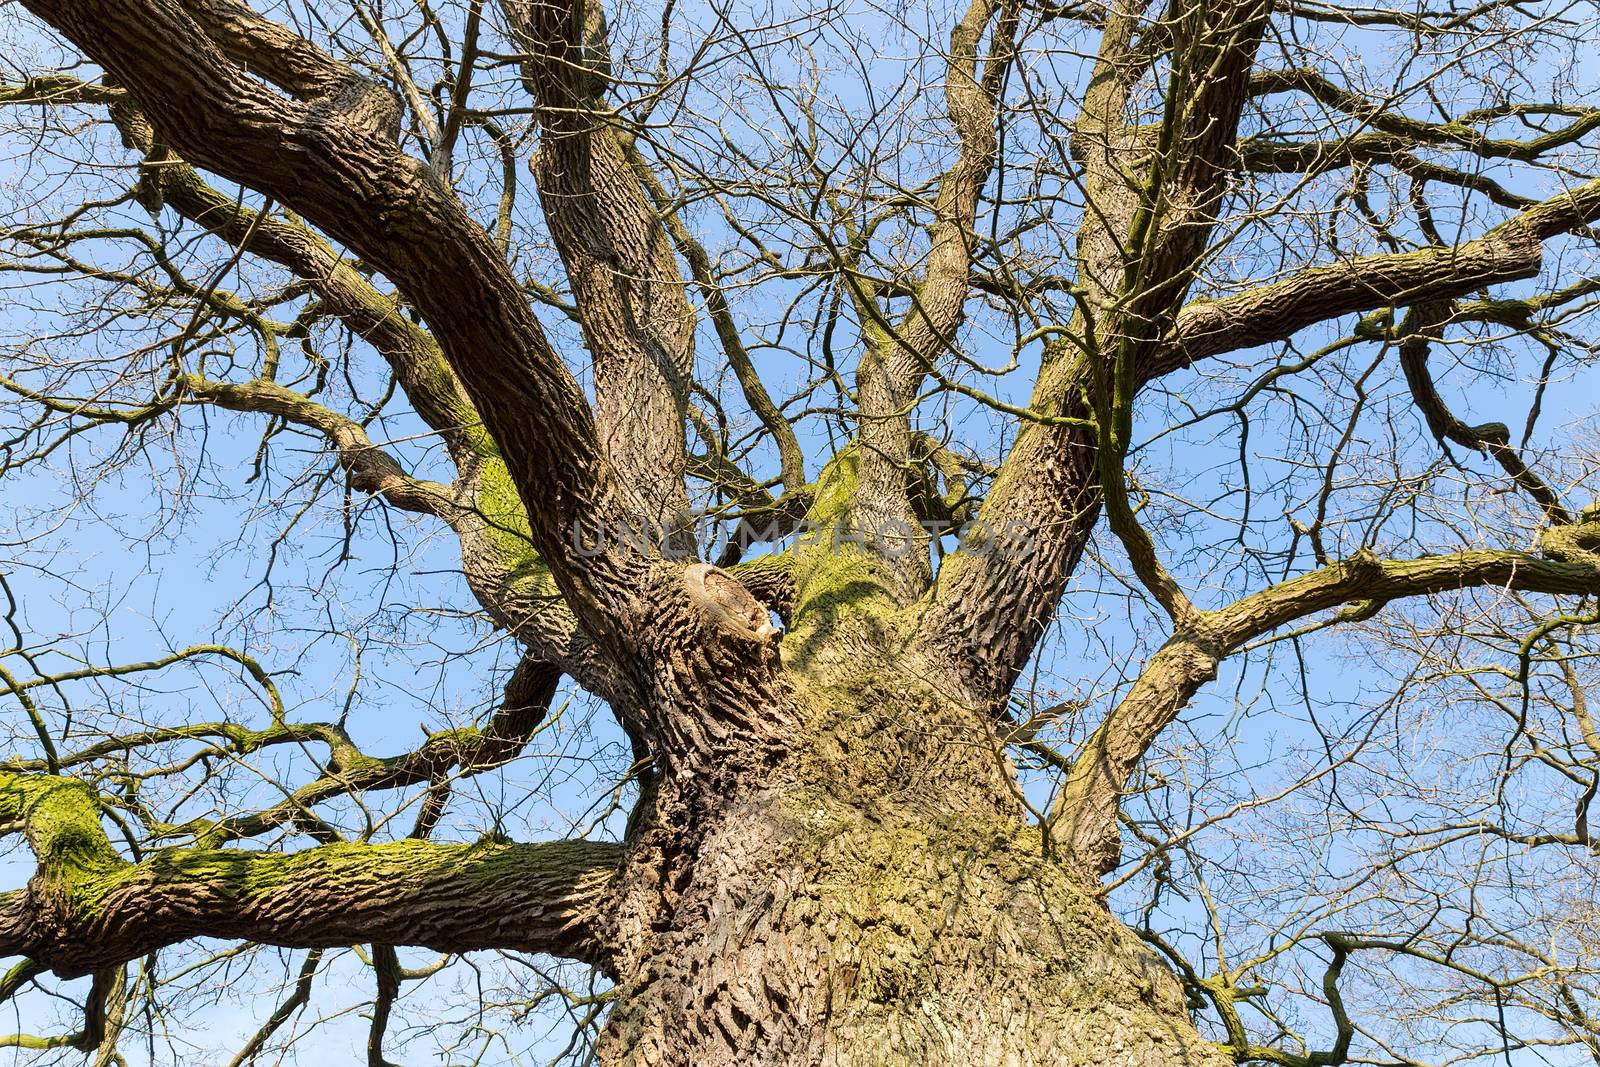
(1272, 312)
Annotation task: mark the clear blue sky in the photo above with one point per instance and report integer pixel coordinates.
(383, 633)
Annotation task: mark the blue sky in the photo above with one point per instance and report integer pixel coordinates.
(374, 622)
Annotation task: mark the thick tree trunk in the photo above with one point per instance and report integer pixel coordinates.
(882, 904)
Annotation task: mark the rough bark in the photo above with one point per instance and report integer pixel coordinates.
(631, 299)
(881, 902)
(829, 864)
(87, 908)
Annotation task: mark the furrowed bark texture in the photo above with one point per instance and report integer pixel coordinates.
(86, 908)
(881, 902)
(631, 300)
(878, 901)
(830, 864)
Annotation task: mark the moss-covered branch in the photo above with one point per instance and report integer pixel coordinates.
(1273, 312)
(87, 909)
(1372, 582)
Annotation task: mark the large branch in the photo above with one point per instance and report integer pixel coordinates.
(336, 162)
(269, 50)
(506, 574)
(1567, 567)
(332, 161)
(631, 299)
(703, 684)
(1084, 815)
(86, 908)
(999, 602)
(1144, 227)
(897, 356)
(1274, 312)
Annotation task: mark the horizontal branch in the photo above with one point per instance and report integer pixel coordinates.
(1571, 570)
(1276, 311)
(1264, 155)
(59, 89)
(87, 909)
(1463, 132)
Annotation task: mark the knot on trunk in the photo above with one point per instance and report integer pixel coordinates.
(723, 602)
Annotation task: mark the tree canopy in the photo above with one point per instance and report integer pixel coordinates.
(551, 531)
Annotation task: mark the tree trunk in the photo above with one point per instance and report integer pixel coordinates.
(881, 902)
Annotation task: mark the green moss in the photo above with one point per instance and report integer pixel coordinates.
(836, 487)
(507, 530)
(62, 820)
(838, 584)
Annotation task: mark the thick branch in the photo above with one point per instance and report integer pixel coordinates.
(898, 356)
(1084, 815)
(86, 908)
(1137, 250)
(631, 299)
(506, 574)
(332, 162)
(1274, 312)
(1375, 582)
(336, 162)
(269, 50)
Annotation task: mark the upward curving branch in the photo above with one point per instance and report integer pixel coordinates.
(334, 158)
(1142, 233)
(998, 604)
(898, 356)
(1084, 814)
(632, 300)
(510, 580)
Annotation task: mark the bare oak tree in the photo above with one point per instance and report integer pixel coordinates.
(925, 763)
